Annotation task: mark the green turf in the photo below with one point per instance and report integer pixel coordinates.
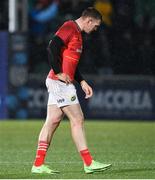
(129, 146)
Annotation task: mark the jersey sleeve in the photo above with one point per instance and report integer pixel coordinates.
(65, 33)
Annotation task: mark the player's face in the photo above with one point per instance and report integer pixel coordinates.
(92, 25)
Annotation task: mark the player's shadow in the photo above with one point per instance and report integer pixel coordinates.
(71, 171)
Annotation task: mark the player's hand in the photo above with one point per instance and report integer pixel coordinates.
(64, 77)
(87, 89)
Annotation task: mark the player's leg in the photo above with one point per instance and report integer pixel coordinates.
(54, 116)
(75, 114)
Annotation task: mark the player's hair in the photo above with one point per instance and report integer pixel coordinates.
(91, 12)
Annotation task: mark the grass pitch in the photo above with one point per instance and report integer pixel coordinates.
(129, 146)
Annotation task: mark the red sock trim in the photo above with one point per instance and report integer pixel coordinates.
(43, 142)
(86, 157)
(41, 153)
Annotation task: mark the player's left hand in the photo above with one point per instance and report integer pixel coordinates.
(87, 89)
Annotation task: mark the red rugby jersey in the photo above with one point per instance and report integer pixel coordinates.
(70, 33)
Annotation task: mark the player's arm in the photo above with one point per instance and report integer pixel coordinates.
(84, 85)
(78, 76)
(54, 49)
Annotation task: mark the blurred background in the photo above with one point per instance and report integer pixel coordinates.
(118, 59)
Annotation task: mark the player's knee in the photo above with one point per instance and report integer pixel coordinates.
(78, 121)
(53, 121)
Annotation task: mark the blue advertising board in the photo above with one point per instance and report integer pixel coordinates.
(122, 98)
(125, 98)
(3, 73)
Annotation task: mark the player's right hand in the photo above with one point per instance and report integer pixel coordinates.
(64, 77)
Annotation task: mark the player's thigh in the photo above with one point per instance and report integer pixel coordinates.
(74, 113)
(54, 114)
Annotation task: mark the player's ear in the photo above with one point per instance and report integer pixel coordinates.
(89, 20)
